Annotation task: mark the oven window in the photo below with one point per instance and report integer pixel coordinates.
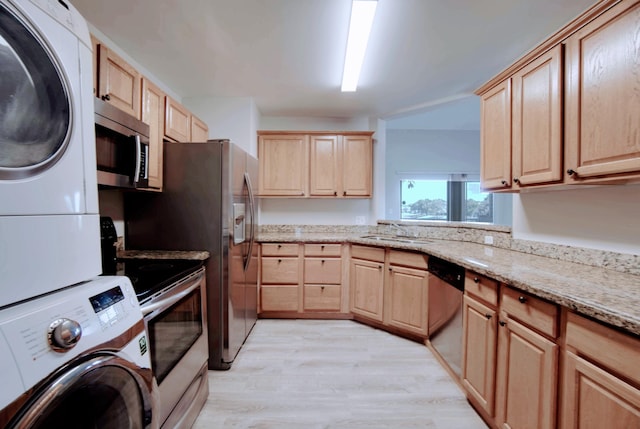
(106, 398)
(173, 332)
(35, 113)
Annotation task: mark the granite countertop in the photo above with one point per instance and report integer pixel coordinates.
(163, 254)
(609, 296)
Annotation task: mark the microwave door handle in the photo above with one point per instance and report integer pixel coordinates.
(136, 173)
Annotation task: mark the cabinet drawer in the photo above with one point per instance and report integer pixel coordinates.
(323, 271)
(408, 259)
(280, 270)
(322, 297)
(280, 249)
(279, 298)
(368, 253)
(615, 350)
(481, 287)
(322, 249)
(534, 312)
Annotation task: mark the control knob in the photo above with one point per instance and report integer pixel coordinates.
(63, 334)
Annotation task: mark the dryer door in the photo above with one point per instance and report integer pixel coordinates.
(35, 107)
(105, 392)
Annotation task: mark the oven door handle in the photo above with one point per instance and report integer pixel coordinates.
(186, 289)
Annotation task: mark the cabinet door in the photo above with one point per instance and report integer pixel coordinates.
(537, 120)
(603, 95)
(408, 300)
(119, 83)
(177, 124)
(153, 115)
(527, 378)
(199, 130)
(495, 137)
(283, 161)
(367, 282)
(357, 161)
(594, 398)
(479, 352)
(324, 166)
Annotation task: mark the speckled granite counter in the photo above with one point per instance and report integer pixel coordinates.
(606, 295)
(163, 254)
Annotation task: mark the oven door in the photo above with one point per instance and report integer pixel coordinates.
(176, 325)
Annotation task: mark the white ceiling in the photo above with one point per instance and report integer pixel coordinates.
(288, 54)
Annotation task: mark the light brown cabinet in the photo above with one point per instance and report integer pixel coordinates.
(322, 289)
(366, 281)
(315, 164)
(283, 161)
(600, 377)
(118, 82)
(199, 130)
(280, 277)
(407, 292)
(153, 114)
(480, 339)
(302, 279)
(177, 122)
(527, 375)
(603, 97)
(566, 112)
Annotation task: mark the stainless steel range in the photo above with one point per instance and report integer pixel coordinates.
(172, 295)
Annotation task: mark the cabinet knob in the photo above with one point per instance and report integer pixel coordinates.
(279, 246)
(279, 260)
(322, 247)
(502, 323)
(515, 179)
(335, 193)
(344, 194)
(476, 280)
(571, 172)
(322, 261)
(522, 299)
(322, 288)
(504, 183)
(106, 97)
(488, 316)
(379, 267)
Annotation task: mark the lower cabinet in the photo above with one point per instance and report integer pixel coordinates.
(301, 279)
(366, 281)
(601, 377)
(407, 292)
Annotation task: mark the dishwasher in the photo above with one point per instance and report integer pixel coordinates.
(446, 288)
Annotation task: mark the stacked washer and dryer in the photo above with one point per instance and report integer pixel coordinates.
(73, 347)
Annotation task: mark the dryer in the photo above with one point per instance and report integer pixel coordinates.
(49, 221)
(77, 358)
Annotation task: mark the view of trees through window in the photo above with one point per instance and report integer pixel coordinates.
(445, 200)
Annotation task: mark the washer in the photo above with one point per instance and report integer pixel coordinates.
(49, 217)
(77, 358)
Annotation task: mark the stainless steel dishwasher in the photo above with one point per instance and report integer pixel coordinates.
(446, 288)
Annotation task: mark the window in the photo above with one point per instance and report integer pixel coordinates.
(445, 200)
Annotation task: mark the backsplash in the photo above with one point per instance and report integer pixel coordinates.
(500, 236)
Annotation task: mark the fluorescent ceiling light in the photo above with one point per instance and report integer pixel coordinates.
(362, 13)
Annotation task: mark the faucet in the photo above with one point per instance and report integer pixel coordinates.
(403, 231)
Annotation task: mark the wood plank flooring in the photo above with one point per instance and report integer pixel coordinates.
(313, 374)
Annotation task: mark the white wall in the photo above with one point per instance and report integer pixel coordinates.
(605, 217)
(233, 118)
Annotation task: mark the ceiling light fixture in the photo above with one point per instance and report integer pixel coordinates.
(362, 13)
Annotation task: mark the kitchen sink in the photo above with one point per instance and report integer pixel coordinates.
(397, 239)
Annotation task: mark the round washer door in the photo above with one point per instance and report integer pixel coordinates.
(105, 392)
(35, 107)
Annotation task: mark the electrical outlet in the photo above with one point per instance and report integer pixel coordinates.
(488, 239)
(360, 220)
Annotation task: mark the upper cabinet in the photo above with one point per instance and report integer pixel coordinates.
(565, 113)
(199, 130)
(118, 82)
(603, 96)
(315, 164)
(153, 114)
(177, 122)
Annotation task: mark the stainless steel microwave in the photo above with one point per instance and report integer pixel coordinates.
(122, 148)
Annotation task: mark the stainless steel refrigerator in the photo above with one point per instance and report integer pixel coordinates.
(207, 203)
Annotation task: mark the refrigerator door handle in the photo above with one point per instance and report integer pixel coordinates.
(247, 181)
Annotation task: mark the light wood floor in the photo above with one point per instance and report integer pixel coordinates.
(308, 374)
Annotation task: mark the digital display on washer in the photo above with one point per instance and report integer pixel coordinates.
(106, 299)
